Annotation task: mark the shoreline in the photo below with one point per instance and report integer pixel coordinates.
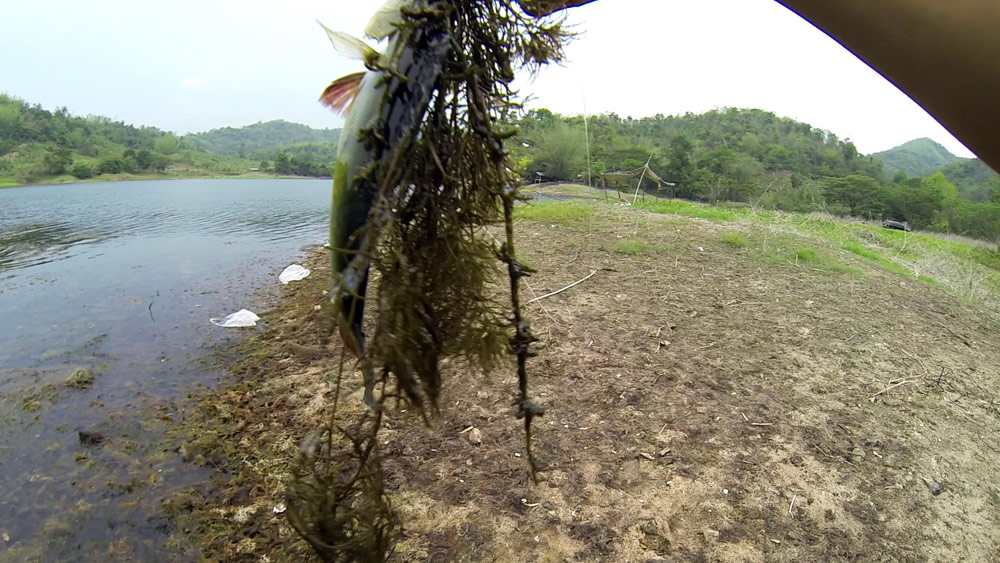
(64, 180)
(694, 390)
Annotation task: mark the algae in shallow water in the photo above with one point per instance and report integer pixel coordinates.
(80, 379)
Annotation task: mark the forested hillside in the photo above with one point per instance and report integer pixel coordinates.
(757, 158)
(279, 146)
(246, 141)
(918, 157)
(38, 145)
(974, 180)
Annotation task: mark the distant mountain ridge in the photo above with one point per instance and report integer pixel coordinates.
(261, 136)
(918, 157)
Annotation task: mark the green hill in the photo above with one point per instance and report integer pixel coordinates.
(918, 157)
(39, 146)
(753, 158)
(264, 139)
(974, 180)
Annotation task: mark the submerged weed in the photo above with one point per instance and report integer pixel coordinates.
(80, 379)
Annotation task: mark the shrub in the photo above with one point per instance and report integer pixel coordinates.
(82, 171)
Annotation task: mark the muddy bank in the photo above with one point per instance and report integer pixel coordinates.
(702, 404)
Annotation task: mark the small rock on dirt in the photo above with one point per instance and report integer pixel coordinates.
(797, 460)
(475, 437)
(89, 438)
(711, 536)
(858, 452)
(933, 485)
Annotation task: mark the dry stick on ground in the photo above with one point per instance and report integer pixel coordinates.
(893, 386)
(540, 305)
(592, 272)
(965, 340)
(926, 371)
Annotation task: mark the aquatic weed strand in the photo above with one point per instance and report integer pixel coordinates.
(441, 185)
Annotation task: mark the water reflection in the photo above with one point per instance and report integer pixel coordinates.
(27, 244)
(120, 279)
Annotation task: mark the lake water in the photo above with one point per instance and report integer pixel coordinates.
(121, 279)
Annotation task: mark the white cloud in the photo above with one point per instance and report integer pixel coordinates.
(192, 82)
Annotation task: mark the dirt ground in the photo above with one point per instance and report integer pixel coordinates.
(702, 405)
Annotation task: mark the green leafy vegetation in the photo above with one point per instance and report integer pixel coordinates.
(632, 247)
(39, 146)
(735, 240)
(818, 241)
(279, 146)
(260, 138)
(554, 211)
(760, 161)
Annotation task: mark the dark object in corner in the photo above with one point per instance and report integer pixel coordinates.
(895, 225)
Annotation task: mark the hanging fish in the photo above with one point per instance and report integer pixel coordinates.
(382, 107)
(421, 184)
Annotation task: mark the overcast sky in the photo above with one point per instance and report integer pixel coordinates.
(193, 65)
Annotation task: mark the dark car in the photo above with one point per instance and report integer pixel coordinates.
(895, 225)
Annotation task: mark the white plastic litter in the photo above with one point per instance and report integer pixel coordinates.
(240, 318)
(292, 273)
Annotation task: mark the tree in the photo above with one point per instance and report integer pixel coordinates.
(283, 164)
(937, 183)
(560, 153)
(144, 158)
(679, 168)
(82, 171)
(167, 144)
(915, 201)
(159, 162)
(57, 160)
(859, 192)
(110, 166)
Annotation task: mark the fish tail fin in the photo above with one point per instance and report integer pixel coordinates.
(340, 94)
(350, 46)
(383, 23)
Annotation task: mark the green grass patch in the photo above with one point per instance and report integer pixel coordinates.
(554, 211)
(568, 190)
(692, 209)
(884, 262)
(987, 257)
(806, 255)
(733, 239)
(632, 247)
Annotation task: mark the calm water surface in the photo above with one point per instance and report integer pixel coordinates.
(121, 278)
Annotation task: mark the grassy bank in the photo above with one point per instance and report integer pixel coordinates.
(727, 385)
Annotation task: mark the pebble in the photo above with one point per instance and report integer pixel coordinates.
(933, 486)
